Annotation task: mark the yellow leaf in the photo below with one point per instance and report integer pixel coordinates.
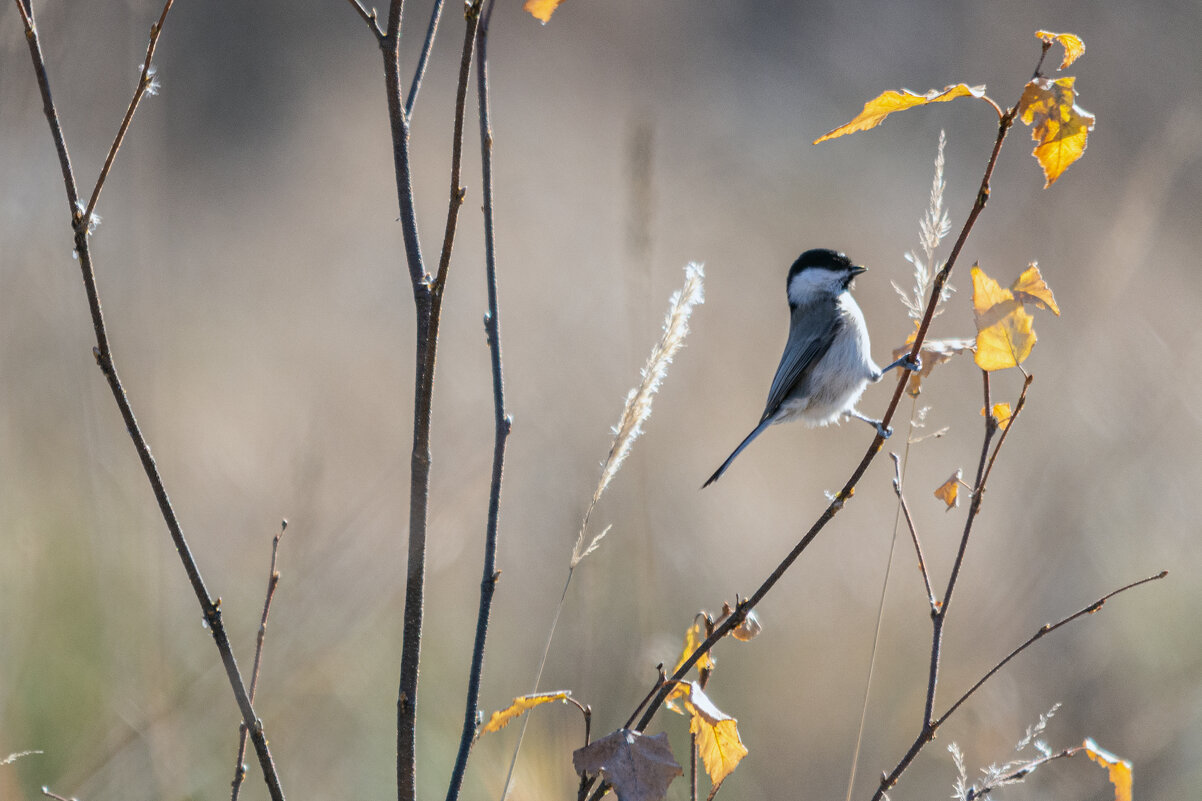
(1072, 44)
(1001, 413)
(692, 639)
(1005, 332)
(1059, 126)
(522, 704)
(541, 9)
(876, 110)
(1031, 288)
(1119, 770)
(718, 740)
(949, 491)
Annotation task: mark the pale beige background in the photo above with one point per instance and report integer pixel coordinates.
(251, 273)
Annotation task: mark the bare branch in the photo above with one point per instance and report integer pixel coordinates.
(922, 562)
(104, 359)
(273, 580)
(145, 81)
(369, 17)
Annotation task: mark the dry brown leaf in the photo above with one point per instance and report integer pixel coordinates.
(1119, 770)
(876, 110)
(949, 491)
(1059, 126)
(640, 767)
(541, 9)
(718, 740)
(934, 352)
(521, 705)
(1074, 48)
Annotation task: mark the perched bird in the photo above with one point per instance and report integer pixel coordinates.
(827, 361)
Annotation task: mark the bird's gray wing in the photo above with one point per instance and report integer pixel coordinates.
(812, 329)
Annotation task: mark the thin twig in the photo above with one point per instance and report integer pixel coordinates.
(479, 29)
(46, 792)
(1019, 773)
(922, 562)
(1018, 407)
(939, 616)
(424, 59)
(929, 731)
(273, 580)
(370, 17)
(104, 359)
(145, 78)
(1043, 631)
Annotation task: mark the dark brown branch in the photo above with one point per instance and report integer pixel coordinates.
(1043, 631)
(922, 562)
(104, 359)
(939, 617)
(477, 29)
(1018, 407)
(273, 580)
(427, 297)
(931, 728)
(145, 79)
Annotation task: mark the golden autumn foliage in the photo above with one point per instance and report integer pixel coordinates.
(1005, 330)
(1119, 770)
(520, 706)
(949, 491)
(876, 110)
(1059, 126)
(541, 10)
(1074, 48)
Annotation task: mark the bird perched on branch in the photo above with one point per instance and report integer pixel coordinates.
(827, 362)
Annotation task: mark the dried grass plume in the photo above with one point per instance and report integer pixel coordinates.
(638, 402)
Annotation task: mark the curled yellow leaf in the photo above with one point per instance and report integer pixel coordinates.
(1059, 126)
(692, 639)
(541, 9)
(949, 491)
(1119, 770)
(1074, 48)
(1031, 288)
(520, 706)
(876, 110)
(718, 741)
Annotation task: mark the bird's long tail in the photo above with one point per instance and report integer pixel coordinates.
(718, 473)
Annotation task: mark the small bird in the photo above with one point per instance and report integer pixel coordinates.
(827, 361)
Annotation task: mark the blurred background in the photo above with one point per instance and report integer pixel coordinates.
(252, 275)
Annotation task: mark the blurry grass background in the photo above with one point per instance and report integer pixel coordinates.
(253, 280)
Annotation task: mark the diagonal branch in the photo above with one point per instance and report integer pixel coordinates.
(922, 562)
(145, 83)
(104, 359)
(929, 730)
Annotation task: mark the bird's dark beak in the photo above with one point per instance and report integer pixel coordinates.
(856, 270)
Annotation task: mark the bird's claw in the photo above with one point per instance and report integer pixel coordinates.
(912, 363)
(884, 431)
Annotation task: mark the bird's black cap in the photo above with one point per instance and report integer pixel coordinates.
(827, 259)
